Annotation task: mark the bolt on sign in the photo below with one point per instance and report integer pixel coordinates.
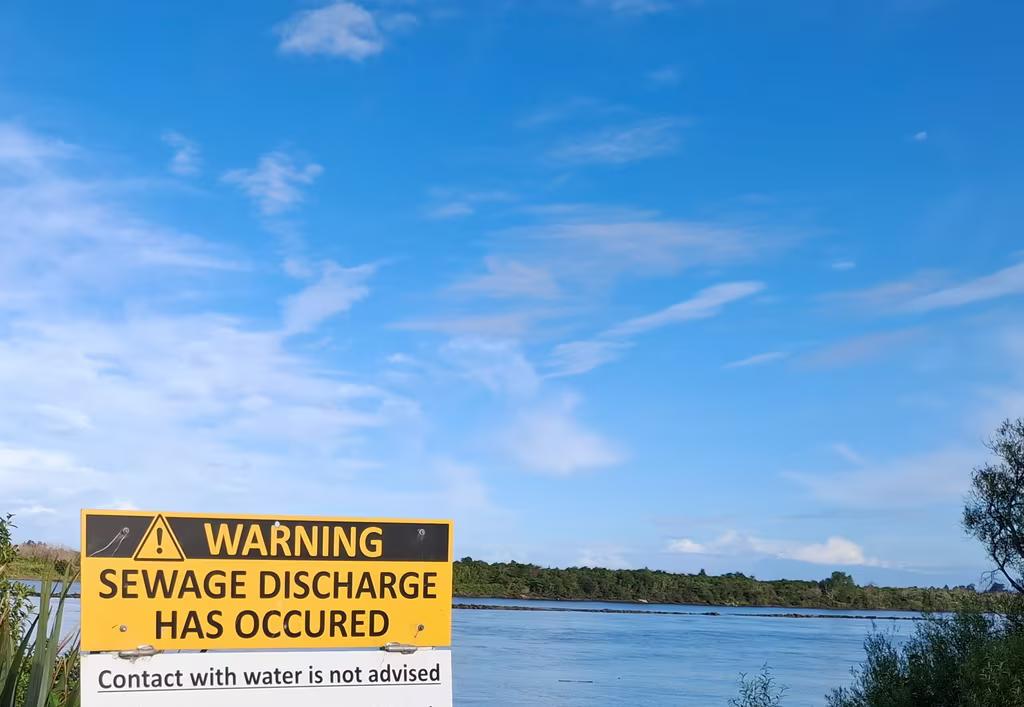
(225, 582)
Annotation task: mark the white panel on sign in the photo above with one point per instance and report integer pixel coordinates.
(269, 679)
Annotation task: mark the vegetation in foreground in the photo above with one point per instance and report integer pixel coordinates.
(968, 660)
(761, 690)
(37, 668)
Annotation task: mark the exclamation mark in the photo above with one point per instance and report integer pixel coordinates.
(159, 541)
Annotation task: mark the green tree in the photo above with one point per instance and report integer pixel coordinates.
(994, 513)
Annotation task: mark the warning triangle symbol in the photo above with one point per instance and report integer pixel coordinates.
(159, 543)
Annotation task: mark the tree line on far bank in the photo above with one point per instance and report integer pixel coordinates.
(474, 578)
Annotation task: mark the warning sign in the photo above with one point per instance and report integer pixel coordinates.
(218, 582)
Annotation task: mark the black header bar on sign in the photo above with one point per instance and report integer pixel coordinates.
(258, 538)
(115, 535)
(301, 539)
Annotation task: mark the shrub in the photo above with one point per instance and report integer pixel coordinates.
(968, 660)
(37, 668)
(761, 690)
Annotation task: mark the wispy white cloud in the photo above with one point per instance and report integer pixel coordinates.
(21, 469)
(921, 136)
(834, 550)
(342, 29)
(63, 232)
(451, 209)
(570, 109)
(576, 357)
(507, 325)
(497, 364)
(589, 243)
(843, 265)
(506, 278)
(706, 303)
(1002, 283)
(98, 364)
(639, 141)
(930, 290)
(186, 160)
(848, 453)
(549, 439)
(34, 509)
(456, 203)
(758, 359)
(859, 349)
(194, 402)
(335, 292)
(23, 150)
(901, 482)
(275, 184)
(890, 296)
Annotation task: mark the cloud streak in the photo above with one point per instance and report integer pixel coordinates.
(506, 278)
(706, 303)
(335, 292)
(931, 291)
(1002, 283)
(905, 482)
(621, 145)
(757, 359)
(186, 159)
(275, 184)
(576, 357)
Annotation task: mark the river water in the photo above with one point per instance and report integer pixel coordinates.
(566, 658)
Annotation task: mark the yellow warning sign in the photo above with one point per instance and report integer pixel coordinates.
(193, 582)
(159, 543)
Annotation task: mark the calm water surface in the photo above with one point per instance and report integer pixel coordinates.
(564, 658)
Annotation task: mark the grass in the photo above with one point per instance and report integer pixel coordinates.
(35, 560)
(34, 568)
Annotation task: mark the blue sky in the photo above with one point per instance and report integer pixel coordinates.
(724, 285)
